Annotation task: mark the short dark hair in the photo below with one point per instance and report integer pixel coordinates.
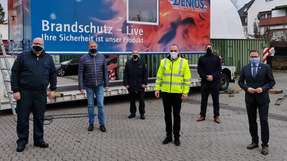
(174, 45)
(253, 50)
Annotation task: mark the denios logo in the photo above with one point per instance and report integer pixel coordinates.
(194, 4)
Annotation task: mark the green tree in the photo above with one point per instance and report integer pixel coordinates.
(2, 15)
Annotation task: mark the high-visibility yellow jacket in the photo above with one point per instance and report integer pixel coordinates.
(173, 76)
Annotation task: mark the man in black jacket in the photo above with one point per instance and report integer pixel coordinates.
(256, 79)
(209, 70)
(135, 80)
(32, 72)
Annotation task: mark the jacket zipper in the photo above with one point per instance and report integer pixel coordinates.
(171, 76)
(95, 70)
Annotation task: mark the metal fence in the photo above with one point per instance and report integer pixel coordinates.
(236, 51)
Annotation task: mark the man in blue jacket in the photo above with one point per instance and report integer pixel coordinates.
(32, 72)
(93, 77)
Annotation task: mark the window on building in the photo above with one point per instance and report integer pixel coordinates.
(264, 15)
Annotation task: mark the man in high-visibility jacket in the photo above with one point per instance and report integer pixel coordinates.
(173, 82)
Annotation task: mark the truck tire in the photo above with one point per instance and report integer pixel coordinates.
(61, 72)
(224, 82)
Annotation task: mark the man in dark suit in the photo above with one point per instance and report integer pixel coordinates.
(209, 70)
(256, 79)
(135, 80)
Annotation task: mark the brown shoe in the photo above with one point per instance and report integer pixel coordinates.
(217, 120)
(201, 118)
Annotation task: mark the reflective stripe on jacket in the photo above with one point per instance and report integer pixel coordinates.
(173, 76)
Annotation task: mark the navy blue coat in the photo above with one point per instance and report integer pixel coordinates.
(31, 72)
(92, 71)
(264, 79)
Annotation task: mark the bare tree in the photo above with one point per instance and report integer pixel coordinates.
(2, 15)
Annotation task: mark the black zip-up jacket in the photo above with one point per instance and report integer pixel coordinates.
(31, 72)
(135, 75)
(209, 64)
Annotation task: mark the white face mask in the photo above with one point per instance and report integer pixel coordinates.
(173, 55)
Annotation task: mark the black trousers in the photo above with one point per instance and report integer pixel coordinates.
(207, 89)
(252, 119)
(134, 95)
(172, 105)
(35, 102)
(269, 61)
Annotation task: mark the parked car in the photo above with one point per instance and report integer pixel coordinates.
(68, 67)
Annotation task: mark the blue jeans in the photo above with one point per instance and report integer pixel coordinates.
(99, 93)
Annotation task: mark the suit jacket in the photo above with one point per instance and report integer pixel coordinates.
(264, 79)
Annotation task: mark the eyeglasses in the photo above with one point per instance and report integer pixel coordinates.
(254, 56)
(173, 50)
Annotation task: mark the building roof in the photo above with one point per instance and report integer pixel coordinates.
(280, 7)
(244, 10)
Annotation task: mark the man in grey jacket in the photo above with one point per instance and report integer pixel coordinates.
(93, 77)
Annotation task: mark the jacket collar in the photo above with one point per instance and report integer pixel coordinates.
(169, 58)
(43, 53)
(93, 55)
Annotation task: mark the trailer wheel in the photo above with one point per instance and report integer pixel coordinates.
(224, 82)
(61, 72)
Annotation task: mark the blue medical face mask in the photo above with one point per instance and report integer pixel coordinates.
(254, 61)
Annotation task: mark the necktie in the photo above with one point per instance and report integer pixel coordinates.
(254, 71)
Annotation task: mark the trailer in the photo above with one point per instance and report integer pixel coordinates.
(118, 27)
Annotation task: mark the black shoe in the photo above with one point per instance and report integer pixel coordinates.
(20, 148)
(176, 142)
(142, 117)
(41, 145)
(167, 140)
(103, 128)
(252, 146)
(265, 150)
(132, 116)
(91, 128)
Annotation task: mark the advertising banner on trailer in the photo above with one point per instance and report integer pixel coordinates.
(118, 26)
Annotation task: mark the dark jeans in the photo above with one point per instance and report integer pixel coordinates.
(207, 89)
(252, 119)
(35, 102)
(172, 105)
(134, 95)
(99, 93)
